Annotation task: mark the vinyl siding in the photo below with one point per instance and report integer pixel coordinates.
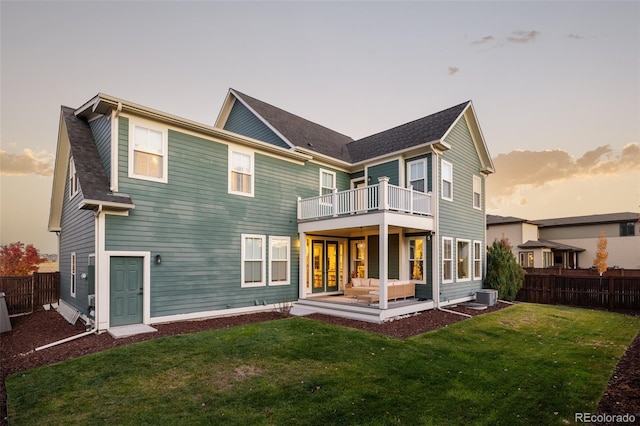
(458, 219)
(373, 256)
(101, 129)
(77, 235)
(242, 121)
(196, 226)
(389, 169)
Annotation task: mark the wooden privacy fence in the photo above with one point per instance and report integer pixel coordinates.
(587, 291)
(22, 294)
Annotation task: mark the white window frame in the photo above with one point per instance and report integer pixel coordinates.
(74, 184)
(477, 190)
(333, 175)
(287, 240)
(443, 180)
(74, 266)
(149, 125)
(423, 259)
(469, 260)
(449, 259)
(251, 171)
(424, 174)
(244, 259)
(477, 260)
(547, 259)
(527, 257)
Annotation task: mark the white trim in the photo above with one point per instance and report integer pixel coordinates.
(424, 258)
(149, 125)
(252, 170)
(74, 183)
(114, 150)
(469, 259)
(215, 313)
(424, 176)
(473, 267)
(329, 172)
(73, 285)
(442, 180)
(451, 259)
(287, 280)
(263, 259)
(476, 180)
(450, 302)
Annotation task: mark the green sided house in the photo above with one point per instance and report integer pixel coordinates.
(162, 219)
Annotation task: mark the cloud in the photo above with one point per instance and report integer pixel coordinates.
(453, 70)
(522, 36)
(575, 36)
(483, 40)
(526, 169)
(27, 163)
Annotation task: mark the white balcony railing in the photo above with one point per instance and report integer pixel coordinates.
(366, 199)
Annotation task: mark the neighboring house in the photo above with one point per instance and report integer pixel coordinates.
(163, 219)
(570, 242)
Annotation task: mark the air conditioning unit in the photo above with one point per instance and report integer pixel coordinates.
(487, 297)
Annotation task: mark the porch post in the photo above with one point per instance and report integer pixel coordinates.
(383, 267)
(383, 202)
(302, 265)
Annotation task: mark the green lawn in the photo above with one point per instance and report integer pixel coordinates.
(529, 364)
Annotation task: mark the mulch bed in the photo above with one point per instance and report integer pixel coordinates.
(43, 327)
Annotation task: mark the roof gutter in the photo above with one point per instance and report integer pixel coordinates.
(438, 146)
(103, 104)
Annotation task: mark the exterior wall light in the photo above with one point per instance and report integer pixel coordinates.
(158, 259)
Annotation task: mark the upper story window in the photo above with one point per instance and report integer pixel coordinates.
(74, 185)
(147, 151)
(327, 182)
(417, 175)
(477, 192)
(447, 180)
(627, 229)
(241, 172)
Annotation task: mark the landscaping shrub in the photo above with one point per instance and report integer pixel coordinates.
(503, 271)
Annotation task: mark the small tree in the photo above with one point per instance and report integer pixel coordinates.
(600, 262)
(16, 260)
(503, 271)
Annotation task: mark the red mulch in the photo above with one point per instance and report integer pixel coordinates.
(43, 327)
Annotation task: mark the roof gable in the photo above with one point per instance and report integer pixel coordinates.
(431, 128)
(75, 139)
(294, 130)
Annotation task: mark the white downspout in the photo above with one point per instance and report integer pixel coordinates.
(68, 339)
(114, 148)
(435, 244)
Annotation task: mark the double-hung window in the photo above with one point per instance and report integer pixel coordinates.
(477, 260)
(447, 180)
(147, 151)
(279, 252)
(418, 175)
(253, 260)
(416, 259)
(477, 192)
(447, 259)
(74, 186)
(463, 257)
(241, 175)
(526, 259)
(327, 182)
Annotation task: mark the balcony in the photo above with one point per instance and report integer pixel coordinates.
(374, 198)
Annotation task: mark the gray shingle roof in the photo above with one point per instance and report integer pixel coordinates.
(306, 134)
(299, 131)
(550, 244)
(590, 219)
(89, 169)
(427, 129)
(503, 220)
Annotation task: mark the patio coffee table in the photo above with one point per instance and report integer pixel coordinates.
(370, 298)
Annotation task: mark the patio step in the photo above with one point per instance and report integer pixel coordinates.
(361, 313)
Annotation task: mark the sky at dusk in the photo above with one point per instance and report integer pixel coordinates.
(555, 85)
